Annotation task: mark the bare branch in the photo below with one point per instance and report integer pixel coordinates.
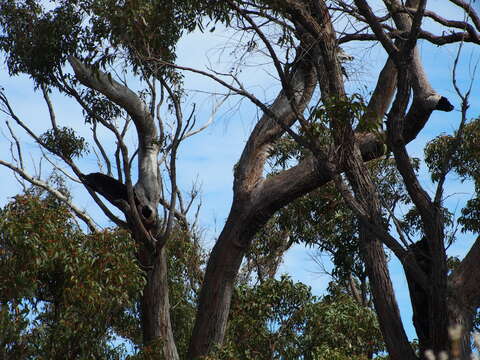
(102, 150)
(469, 10)
(376, 26)
(78, 212)
(454, 146)
(17, 144)
(58, 168)
(177, 138)
(69, 162)
(51, 110)
(210, 119)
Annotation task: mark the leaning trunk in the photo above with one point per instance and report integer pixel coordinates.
(384, 297)
(155, 306)
(215, 299)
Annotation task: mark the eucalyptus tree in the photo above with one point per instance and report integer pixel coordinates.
(301, 41)
(64, 293)
(39, 39)
(340, 138)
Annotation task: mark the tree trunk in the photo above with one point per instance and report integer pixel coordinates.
(155, 306)
(459, 315)
(464, 295)
(384, 297)
(215, 299)
(419, 296)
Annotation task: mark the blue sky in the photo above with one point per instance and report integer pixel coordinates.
(209, 158)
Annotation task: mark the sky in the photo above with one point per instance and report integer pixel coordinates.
(208, 158)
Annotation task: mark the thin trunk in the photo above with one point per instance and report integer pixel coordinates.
(384, 298)
(155, 307)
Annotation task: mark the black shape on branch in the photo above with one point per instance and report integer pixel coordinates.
(444, 105)
(110, 188)
(116, 193)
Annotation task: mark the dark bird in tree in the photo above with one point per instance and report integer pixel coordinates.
(110, 188)
(444, 105)
(116, 193)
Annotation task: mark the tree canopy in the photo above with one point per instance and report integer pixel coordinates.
(325, 165)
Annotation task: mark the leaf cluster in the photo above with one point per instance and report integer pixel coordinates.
(63, 141)
(99, 107)
(62, 291)
(459, 153)
(351, 108)
(185, 275)
(281, 319)
(36, 41)
(144, 33)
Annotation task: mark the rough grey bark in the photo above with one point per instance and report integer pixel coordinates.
(348, 156)
(429, 302)
(434, 336)
(253, 205)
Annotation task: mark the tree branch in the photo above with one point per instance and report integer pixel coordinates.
(34, 181)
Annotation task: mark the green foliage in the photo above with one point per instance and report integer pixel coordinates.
(72, 295)
(328, 225)
(287, 149)
(281, 319)
(63, 141)
(99, 107)
(35, 41)
(148, 29)
(185, 275)
(61, 291)
(464, 159)
(265, 254)
(470, 218)
(349, 109)
(412, 224)
(336, 111)
(347, 330)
